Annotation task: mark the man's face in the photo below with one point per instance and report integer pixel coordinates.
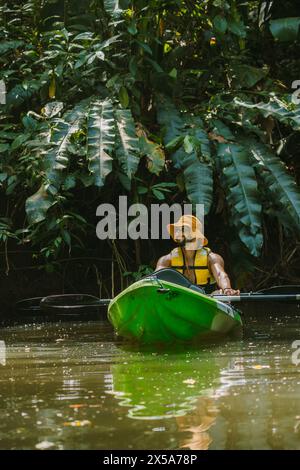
(183, 235)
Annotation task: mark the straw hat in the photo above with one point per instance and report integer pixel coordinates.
(193, 223)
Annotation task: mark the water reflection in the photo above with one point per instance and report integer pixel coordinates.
(198, 424)
(184, 387)
(73, 387)
(160, 386)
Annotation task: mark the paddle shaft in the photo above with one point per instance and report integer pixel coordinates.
(96, 303)
(83, 301)
(248, 297)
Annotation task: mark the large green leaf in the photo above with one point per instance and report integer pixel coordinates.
(199, 137)
(56, 159)
(38, 204)
(285, 29)
(239, 180)
(154, 153)
(197, 165)
(219, 129)
(220, 24)
(198, 181)
(246, 76)
(100, 139)
(23, 92)
(278, 182)
(9, 45)
(127, 149)
(237, 27)
(186, 136)
(170, 120)
(278, 109)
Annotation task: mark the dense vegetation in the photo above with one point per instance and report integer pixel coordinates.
(172, 101)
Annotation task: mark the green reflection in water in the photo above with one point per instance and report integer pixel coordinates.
(157, 386)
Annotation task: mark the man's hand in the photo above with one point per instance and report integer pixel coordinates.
(230, 291)
(226, 291)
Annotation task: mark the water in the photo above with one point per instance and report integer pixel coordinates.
(73, 386)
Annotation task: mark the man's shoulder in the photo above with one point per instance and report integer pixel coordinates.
(164, 261)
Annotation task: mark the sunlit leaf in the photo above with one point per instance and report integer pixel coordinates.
(100, 139)
(127, 146)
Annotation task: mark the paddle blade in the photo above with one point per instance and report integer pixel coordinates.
(28, 306)
(70, 302)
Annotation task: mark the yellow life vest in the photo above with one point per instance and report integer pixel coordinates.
(202, 274)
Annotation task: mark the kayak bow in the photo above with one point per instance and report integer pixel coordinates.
(154, 310)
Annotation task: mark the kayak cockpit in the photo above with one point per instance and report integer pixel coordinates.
(173, 276)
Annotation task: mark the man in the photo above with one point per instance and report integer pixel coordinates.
(193, 259)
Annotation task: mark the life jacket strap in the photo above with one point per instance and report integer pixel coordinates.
(189, 267)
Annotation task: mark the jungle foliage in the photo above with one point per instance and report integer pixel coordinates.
(176, 101)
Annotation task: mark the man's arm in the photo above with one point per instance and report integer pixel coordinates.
(164, 262)
(216, 267)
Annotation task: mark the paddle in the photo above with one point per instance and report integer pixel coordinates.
(56, 302)
(88, 301)
(62, 303)
(275, 293)
(29, 306)
(71, 302)
(256, 297)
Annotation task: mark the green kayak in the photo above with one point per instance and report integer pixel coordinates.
(166, 308)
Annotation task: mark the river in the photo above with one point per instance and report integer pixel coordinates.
(73, 385)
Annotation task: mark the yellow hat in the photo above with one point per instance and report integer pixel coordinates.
(193, 223)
